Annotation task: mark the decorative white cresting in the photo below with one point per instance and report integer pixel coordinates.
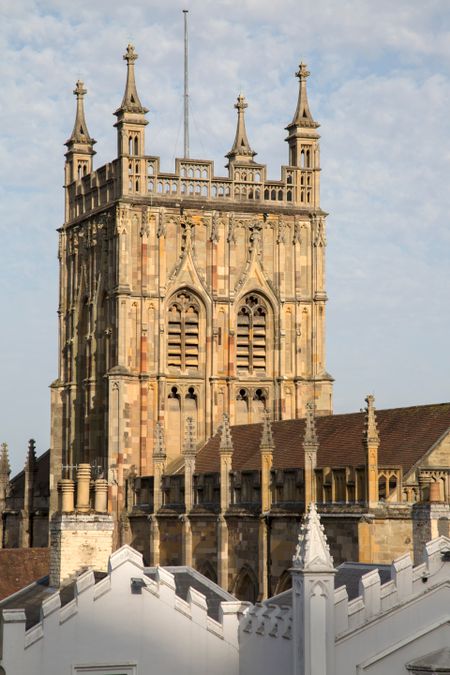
(312, 552)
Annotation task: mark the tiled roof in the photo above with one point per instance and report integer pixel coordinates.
(40, 478)
(31, 597)
(406, 434)
(347, 574)
(19, 567)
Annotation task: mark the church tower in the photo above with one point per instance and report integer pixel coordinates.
(184, 295)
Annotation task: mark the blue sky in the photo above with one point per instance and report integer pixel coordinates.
(379, 86)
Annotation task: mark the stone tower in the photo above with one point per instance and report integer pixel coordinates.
(184, 294)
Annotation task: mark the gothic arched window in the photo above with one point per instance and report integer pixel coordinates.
(183, 332)
(252, 334)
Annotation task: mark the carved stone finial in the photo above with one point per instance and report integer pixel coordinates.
(159, 451)
(226, 443)
(79, 90)
(267, 442)
(5, 468)
(371, 428)
(312, 553)
(190, 439)
(310, 439)
(130, 55)
(241, 150)
(31, 455)
(302, 72)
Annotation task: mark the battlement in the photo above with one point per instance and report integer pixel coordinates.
(126, 576)
(274, 620)
(141, 177)
(407, 583)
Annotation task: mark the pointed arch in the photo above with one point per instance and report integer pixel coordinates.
(284, 582)
(208, 570)
(185, 310)
(245, 585)
(252, 334)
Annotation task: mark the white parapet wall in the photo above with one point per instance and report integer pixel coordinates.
(382, 630)
(125, 623)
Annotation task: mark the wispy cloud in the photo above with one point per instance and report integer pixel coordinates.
(380, 86)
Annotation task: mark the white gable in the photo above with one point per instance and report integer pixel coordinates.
(125, 624)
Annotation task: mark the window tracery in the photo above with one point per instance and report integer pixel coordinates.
(252, 334)
(183, 332)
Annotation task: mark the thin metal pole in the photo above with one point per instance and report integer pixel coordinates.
(186, 87)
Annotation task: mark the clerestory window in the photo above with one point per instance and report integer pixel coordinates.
(183, 332)
(252, 334)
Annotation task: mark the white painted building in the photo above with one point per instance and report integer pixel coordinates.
(123, 624)
(134, 620)
(388, 629)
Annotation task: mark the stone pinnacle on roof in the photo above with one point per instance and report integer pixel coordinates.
(302, 115)
(370, 427)
(5, 468)
(131, 102)
(310, 440)
(267, 442)
(312, 553)
(31, 455)
(226, 443)
(159, 450)
(80, 133)
(190, 440)
(241, 150)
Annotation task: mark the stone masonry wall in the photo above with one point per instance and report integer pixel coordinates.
(77, 541)
(170, 544)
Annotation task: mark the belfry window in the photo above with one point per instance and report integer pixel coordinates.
(183, 332)
(252, 334)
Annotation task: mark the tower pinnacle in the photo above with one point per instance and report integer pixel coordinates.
(302, 135)
(312, 552)
(241, 150)
(80, 133)
(302, 116)
(131, 102)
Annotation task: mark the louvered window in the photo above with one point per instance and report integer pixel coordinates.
(252, 335)
(183, 332)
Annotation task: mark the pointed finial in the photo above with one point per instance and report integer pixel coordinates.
(241, 150)
(226, 443)
(79, 91)
(190, 441)
(302, 116)
(80, 133)
(302, 72)
(312, 553)
(5, 468)
(159, 450)
(310, 439)
(371, 429)
(267, 436)
(130, 55)
(131, 102)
